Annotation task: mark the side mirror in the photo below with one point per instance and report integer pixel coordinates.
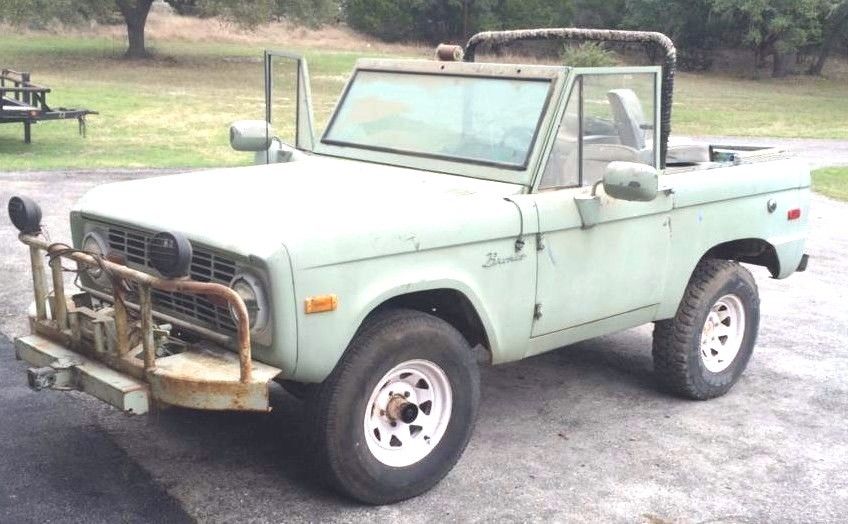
(251, 135)
(631, 181)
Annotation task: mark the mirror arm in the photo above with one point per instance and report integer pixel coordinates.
(595, 187)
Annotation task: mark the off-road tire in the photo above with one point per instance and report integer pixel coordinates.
(337, 408)
(678, 364)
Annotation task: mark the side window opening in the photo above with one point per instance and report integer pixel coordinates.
(563, 167)
(281, 97)
(609, 117)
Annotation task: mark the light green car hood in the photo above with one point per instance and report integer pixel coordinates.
(323, 210)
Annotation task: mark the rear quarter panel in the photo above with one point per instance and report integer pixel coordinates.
(720, 205)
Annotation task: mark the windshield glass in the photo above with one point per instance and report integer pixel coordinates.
(474, 119)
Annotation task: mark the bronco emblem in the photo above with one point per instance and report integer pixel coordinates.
(493, 260)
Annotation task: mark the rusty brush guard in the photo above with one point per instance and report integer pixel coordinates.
(596, 35)
(204, 378)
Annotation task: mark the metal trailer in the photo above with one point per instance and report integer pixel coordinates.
(23, 102)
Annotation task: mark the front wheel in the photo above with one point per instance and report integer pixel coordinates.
(397, 412)
(703, 350)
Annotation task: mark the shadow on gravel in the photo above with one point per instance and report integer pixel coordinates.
(57, 464)
(275, 447)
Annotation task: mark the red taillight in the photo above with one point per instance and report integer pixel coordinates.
(793, 214)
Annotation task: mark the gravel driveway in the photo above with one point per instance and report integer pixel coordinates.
(579, 434)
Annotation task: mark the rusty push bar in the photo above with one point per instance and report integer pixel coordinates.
(146, 282)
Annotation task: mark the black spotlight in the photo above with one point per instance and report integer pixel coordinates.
(25, 214)
(170, 254)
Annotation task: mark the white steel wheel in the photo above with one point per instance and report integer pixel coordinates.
(722, 334)
(407, 413)
(396, 413)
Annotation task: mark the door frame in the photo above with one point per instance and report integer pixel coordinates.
(562, 104)
(304, 118)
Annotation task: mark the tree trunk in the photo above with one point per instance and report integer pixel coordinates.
(836, 23)
(783, 62)
(135, 16)
(778, 66)
(465, 8)
(135, 35)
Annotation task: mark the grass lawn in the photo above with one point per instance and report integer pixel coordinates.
(832, 181)
(174, 110)
(795, 107)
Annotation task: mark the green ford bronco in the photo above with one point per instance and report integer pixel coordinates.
(452, 213)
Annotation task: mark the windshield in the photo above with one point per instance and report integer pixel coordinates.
(483, 120)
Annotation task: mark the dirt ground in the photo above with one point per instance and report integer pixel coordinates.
(578, 434)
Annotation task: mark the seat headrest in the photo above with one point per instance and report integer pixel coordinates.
(629, 117)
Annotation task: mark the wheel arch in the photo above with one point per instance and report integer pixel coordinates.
(322, 340)
(751, 250)
(455, 306)
(756, 251)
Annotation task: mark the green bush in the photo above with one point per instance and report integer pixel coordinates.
(589, 54)
(312, 13)
(38, 14)
(390, 20)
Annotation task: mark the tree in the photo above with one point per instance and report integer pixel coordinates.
(527, 14)
(134, 13)
(135, 17)
(835, 27)
(313, 13)
(775, 28)
(41, 12)
(599, 13)
(687, 22)
(389, 20)
(246, 13)
(437, 21)
(38, 14)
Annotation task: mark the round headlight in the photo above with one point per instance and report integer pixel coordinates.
(170, 254)
(95, 243)
(25, 214)
(249, 289)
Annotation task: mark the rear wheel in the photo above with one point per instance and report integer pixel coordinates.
(397, 412)
(704, 349)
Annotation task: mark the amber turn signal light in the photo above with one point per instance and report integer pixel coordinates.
(321, 303)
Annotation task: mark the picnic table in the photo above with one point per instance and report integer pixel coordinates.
(21, 101)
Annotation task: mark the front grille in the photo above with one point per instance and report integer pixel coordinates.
(206, 266)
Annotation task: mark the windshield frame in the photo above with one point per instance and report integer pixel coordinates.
(476, 168)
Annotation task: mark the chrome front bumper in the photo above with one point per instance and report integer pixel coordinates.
(117, 353)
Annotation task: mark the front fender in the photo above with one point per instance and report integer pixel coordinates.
(502, 297)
